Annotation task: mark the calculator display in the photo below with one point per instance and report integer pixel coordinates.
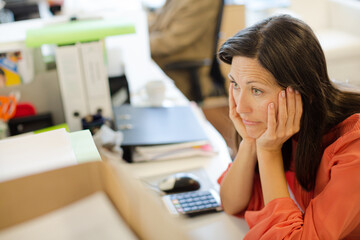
(193, 203)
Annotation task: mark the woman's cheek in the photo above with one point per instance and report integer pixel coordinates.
(264, 110)
(235, 93)
(236, 97)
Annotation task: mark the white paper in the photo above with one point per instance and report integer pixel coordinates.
(22, 156)
(173, 151)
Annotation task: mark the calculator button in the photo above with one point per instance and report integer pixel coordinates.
(194, 203)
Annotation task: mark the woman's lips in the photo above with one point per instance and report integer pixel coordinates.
(249, 123)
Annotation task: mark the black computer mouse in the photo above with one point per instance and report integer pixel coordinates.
(179, 182)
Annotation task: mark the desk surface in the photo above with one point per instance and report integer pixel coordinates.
(209, 226)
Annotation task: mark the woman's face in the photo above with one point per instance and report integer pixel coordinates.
(254, 88)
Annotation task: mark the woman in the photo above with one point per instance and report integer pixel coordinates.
(296, 174)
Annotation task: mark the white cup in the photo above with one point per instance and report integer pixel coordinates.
(155, 91)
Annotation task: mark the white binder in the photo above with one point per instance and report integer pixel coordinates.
(71, 79)
(96, 79)
(83, 81)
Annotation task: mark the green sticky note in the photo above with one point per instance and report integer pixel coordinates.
(77, 31)
(84, 147)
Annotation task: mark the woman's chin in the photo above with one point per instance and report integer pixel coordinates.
(254, 133)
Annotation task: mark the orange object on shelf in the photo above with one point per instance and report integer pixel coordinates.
(7, 107)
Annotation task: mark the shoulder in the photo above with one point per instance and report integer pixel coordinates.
(345, 140)
(349, 129)
(350, 124)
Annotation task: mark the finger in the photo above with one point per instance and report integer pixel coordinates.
(282, 114)
(232, 104)
(271, 128)
(298, 111)
(234, 116)
(291, 107)
(231, 97)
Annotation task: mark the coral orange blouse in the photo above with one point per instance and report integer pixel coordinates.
(331, 210)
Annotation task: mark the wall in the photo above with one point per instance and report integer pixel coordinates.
(43, 92)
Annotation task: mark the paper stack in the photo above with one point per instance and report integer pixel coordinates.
(173, 151)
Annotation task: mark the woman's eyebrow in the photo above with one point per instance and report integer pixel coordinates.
(260, 82)
(266, 83)
(231, 78)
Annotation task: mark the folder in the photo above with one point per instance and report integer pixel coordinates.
(147, 126)
(83, 81)
(95, 78)
(71, 80)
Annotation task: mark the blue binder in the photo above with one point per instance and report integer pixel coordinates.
(158, 125)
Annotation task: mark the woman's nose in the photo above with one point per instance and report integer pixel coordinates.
(243, 104)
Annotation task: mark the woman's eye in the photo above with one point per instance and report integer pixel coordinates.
(236, 86)
(256, 91)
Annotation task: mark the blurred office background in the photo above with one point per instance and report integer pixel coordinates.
(335, 22)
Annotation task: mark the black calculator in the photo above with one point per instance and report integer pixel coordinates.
(193, 203)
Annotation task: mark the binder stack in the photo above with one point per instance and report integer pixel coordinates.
(83, 82)
(96, 80)
(80, 63)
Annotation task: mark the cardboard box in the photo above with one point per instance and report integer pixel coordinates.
(27, 198)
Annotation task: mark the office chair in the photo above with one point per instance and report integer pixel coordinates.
(193, 67)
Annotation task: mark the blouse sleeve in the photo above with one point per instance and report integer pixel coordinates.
(332, 214)
(256, 202)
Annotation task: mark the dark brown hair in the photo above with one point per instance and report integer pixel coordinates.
(290, 51)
